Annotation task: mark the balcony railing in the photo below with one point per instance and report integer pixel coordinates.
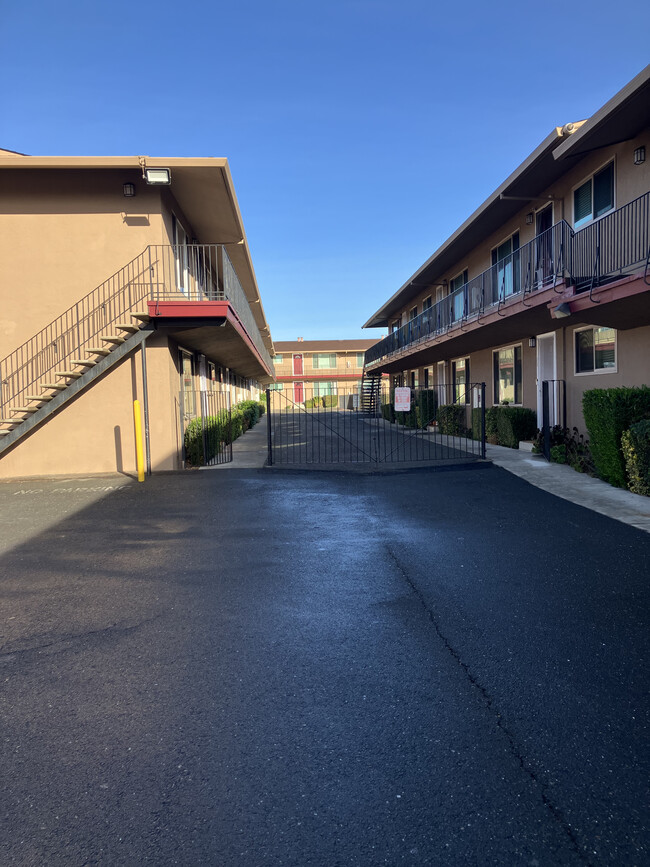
(199, 272)
(537, 265)
(613, 246)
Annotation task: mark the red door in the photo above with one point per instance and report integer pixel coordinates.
(298, 394)
(297, 365)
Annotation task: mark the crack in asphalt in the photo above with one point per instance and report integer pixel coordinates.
(8, 652)
(489, 702)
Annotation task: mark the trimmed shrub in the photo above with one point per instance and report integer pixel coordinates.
(608, 412)
(635, 445)
(514, 423)
(426, 407)
(387, 410)
(330, 400)
(451, 419)
(213, 430)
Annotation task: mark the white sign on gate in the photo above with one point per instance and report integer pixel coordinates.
(403, 399)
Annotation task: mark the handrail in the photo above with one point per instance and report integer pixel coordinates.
(493, 287)
(614, 245)
(161, 272)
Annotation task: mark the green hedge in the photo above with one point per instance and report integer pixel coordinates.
(451, 419)
(220, 430)
(330, 400)
(514, 424)
(426, 407)
(608, 412)
(635, 445)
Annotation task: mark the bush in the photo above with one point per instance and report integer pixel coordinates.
(330, 400)
(387, 410)
(608, 412)
(451, 419)
(426, 407)
(514, 424)
(566, 447)
(635, 445)
(214, 430)
(558, 455)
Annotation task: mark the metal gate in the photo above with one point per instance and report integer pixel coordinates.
(445, 424)
(206, 428)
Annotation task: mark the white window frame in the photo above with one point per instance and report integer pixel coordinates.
(318, 355)
(495, 402)
(595, 372)
(584, 180)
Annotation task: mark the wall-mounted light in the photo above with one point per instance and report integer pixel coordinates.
(158, 177)
(129, 190)
(532, 342)
(562, 310)
(529, 218)
(639, 155)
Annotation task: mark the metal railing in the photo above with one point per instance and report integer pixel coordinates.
(202, 272)
(537, 265)
(197, 272)
(611, 247)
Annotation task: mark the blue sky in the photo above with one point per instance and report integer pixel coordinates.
(360, 134)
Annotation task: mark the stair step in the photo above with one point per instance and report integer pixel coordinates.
(127, 326)
(74, 374)
(21, 410)
(4, 433)
(113, 338)
(98, 350)
(58, 385)
(39, 397)
(86, 362)
(12, 421)
(140, 314)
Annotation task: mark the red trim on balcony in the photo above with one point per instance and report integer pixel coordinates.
(167, 310)
(309, 376)
(634, 284)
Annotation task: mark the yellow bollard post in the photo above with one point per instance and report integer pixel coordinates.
(139, 453)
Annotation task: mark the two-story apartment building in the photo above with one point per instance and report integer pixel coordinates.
(548, 280)
(319, 368)
(123, 279)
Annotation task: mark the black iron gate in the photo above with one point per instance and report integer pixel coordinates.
(445, 424)
(206, 428)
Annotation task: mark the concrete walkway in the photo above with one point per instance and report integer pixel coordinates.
(250, 452)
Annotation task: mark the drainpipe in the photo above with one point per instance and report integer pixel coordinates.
(145, 401)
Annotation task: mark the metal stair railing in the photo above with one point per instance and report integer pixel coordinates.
(71, 333)
(160, 272)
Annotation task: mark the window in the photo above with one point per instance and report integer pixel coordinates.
(505, 267)
(276, 386)
(595, 197)
(459, 300)
(323, 360)
(277, 359)
(324, 389)
(595, 350)
(507, 375)
(361, 357)
(426, 304)
(460, 380)
(413, 313)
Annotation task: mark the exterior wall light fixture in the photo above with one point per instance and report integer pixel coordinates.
(158, 177)
(129, 190)
(639, 155)
(532, 342)
(529, 218)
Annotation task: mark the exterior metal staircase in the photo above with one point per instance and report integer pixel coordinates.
(370, 393)
(53, 366)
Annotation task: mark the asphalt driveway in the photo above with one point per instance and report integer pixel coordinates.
(257, 668)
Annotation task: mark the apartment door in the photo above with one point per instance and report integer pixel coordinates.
(181, 257)
(298, 392)
(547, 370)
(505, 259)
(544, 245)
(297, 365)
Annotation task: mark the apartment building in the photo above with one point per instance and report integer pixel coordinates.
(319, 368)
(123, 279)
(547, 281)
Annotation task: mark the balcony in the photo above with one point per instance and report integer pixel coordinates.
(192, 282)
(613, 247)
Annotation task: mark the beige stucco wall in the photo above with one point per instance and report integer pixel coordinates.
(62, 234)
(94, 433)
